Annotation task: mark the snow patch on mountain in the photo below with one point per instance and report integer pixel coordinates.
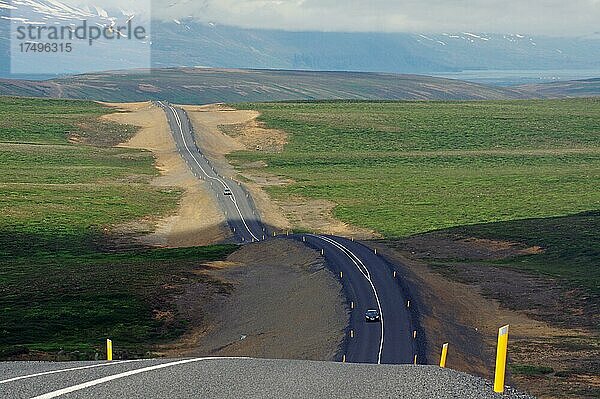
(7, 6)
(432, 40)
(55, 11)
(476, 36)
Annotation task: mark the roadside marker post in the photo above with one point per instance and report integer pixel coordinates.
(109, 350)
(408, 304)
(303, 239)
(501, 359)
(444, 355)
(415, 334)
(394, 274)
(322, 251)
(352, 305)
(344, 359)
(375, 251)
(415, 360)
(351, 333)
(341, 274)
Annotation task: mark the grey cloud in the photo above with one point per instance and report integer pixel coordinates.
(551, 17)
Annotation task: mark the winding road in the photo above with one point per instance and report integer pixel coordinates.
(368, 279)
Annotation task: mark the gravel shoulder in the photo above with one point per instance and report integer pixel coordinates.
(277, 301)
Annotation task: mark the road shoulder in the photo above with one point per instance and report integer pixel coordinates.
(277, 301)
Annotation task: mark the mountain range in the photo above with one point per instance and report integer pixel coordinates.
(180, 43)
(209, 85)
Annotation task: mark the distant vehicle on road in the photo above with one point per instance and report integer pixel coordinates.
(372, 315)
(227, 192)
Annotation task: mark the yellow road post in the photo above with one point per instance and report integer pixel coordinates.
(501, 359)
(444, 355)
(109, 350)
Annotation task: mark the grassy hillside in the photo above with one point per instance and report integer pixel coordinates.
(570, 245)
(574, 88)
(64, 284)
(404, 168)
(203, 86)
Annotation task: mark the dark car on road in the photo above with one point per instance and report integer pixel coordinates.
(372, 315)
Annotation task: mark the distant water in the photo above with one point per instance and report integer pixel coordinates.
(518, 77)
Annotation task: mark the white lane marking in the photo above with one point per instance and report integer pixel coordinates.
(23, 377)
(179, 124)
(356, 260)
(103, 380)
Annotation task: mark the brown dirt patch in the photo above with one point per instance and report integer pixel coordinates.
(317, 215)
(254, 136)
(272, 290)
(465, 303)
(198, 220)
(433, 246)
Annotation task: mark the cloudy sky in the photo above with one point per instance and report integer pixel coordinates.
(552, 17)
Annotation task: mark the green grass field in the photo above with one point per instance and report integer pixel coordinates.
(403, 168)
(62, 285)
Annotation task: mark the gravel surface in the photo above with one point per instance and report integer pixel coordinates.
(254, 378)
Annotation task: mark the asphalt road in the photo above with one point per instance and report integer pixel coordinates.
(238, 207)
(369, 283)
(368, 279)
(238, 378)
